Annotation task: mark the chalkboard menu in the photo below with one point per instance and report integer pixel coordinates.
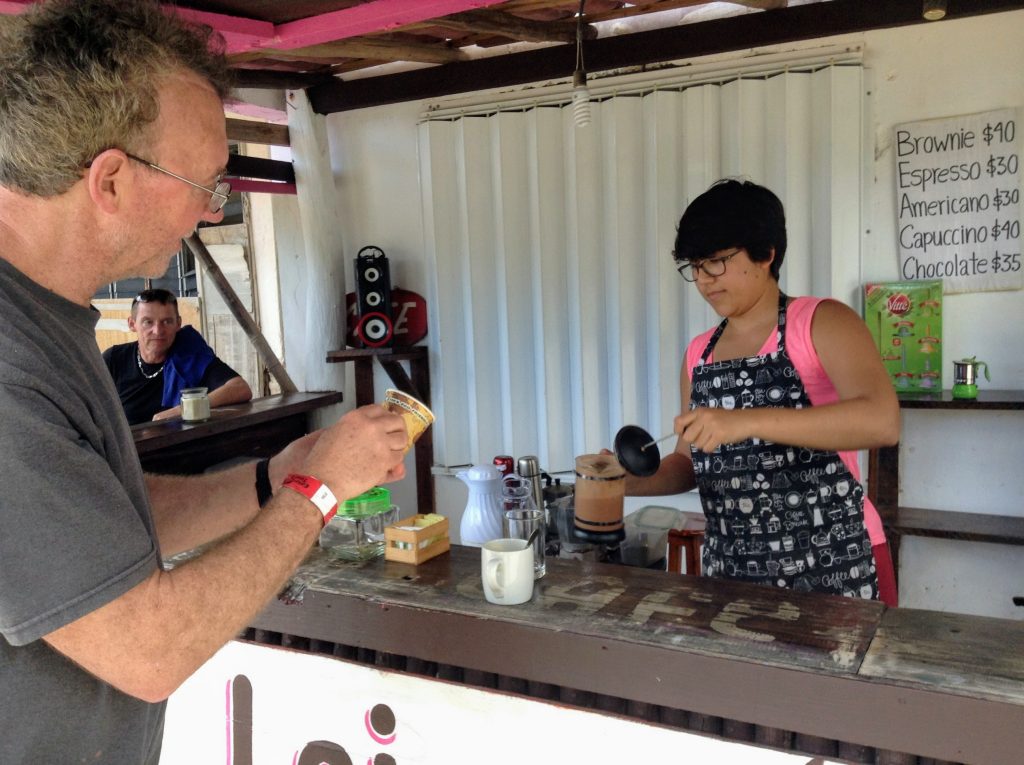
(958, 186)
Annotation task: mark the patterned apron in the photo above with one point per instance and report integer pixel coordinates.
(780, 515)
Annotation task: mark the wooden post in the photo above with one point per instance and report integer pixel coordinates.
(240, 313)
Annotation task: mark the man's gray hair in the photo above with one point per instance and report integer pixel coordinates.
(78, 77)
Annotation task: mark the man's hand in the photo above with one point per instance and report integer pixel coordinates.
(707, 429)
(363, 449)
(166, 414)
(291, 459)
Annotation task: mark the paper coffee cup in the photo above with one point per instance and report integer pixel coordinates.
(416, 414)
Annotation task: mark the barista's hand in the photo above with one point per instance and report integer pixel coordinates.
(707, 429)
(363, 449)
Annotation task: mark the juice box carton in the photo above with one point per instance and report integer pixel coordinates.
(905, 320)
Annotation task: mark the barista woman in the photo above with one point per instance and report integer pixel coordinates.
(776, 400)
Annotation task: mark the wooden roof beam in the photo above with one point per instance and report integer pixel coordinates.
(764, 5)
(269, 79)
(371, 48)
(686, 41)
(250, 131)
(514, 27)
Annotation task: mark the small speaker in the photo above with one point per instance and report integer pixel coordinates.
(374, 327)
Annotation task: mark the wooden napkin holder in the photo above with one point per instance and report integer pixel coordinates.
(407, 543)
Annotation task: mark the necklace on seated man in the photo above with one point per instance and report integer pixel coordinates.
(138, 359)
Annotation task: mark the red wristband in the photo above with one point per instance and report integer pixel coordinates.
(316, 492)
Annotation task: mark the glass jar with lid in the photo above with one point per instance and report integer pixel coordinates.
(195, 405)
(356, 532)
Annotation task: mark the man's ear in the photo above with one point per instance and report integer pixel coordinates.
(108, 179)
(131, 324)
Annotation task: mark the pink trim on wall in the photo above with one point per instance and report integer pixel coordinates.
(244, 35)
(239, 33)
(13, 7)
(377, 16)
(233, 107)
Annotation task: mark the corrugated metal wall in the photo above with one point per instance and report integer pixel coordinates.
(557, 315)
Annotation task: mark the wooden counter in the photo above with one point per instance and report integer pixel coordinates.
(793, 670)
(257, 428)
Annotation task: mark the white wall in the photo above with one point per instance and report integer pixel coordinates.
(913, 73)
(953, 461)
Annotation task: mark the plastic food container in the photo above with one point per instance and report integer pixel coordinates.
(647, 534)
(356, 532)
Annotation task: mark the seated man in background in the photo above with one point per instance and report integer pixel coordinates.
(149, 374)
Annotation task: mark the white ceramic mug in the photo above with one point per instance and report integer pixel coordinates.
(506, 568)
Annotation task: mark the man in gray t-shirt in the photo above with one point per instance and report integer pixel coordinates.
(94, 634)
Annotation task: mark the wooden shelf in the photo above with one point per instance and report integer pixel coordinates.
(987, 399)
(969, 527)
(884, 482)
(416, 352)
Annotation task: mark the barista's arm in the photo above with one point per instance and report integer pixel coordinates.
(865, 416)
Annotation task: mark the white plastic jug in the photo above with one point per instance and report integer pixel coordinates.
(481, 521)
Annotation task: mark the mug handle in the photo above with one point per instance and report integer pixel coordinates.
(491, 572)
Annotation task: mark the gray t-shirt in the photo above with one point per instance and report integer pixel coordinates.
(75, 532)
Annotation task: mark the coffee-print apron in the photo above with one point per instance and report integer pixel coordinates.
(780, 515)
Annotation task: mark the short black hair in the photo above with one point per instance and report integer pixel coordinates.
(733, 213)
(162, 296)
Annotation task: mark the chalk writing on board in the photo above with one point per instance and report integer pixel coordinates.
(958, 201)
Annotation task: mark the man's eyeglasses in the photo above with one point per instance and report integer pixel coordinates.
(218, 194)
(710, 266)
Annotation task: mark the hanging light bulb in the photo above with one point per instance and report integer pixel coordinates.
(580, 99)
(934, 10)
(580, 92)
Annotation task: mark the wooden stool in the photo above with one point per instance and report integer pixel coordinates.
(690, 540)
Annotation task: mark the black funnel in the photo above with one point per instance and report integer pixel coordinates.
(631, 454)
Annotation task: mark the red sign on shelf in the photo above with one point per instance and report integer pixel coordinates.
(408, 318)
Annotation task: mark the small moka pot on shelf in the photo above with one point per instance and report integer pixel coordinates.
(965, 377)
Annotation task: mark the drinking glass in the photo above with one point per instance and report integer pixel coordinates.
(520, 523)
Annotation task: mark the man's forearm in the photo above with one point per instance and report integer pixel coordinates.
(150, 639)
(192, 510)
(234, 391)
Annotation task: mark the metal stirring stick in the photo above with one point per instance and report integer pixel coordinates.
(656, 441)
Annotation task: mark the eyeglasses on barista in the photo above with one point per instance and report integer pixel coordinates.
(710, 266)
(218, 194)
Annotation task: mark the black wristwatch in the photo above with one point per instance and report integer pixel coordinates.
(264, 491)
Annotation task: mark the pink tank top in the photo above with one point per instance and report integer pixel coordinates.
(819, 387)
